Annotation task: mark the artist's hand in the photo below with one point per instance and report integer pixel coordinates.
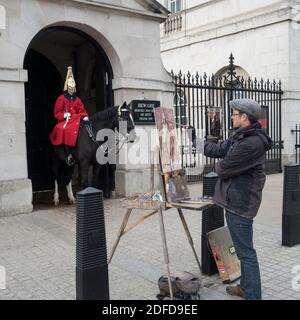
(67, 115)
(86, 119)
(212, 139)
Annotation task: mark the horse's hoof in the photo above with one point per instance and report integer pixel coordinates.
(56, 203)
(72, 201)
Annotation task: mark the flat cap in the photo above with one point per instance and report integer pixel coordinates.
(248, 106)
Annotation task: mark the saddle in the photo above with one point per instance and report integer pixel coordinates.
(69, 151)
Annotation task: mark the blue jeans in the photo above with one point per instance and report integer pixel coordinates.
(241, 230)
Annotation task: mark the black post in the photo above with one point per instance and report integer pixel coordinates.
(212, 218)
(91, 253)
(291, 206)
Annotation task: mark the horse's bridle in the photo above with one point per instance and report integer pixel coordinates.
(119, 113)
(123, 138)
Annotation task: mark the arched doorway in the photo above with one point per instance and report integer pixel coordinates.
(46, 59)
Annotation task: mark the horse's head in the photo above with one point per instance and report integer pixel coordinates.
(125, 116)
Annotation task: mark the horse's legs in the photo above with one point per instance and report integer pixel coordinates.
(96, 175)
(112, 180)
(106, 187)
(70, 193)
(84, 174)
(56, 195)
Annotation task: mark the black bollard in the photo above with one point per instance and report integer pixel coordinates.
(209, 183)
(91, 254)
(291, 206)
(212, 218)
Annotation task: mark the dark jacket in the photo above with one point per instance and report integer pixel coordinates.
(241, 171)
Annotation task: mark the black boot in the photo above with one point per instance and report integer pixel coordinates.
(236, 291)
(70, 161)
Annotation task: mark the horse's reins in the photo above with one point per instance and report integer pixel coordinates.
(91, 135)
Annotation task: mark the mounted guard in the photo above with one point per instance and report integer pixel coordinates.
(68, 110)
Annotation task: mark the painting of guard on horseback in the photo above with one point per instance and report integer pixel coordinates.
(74, 140)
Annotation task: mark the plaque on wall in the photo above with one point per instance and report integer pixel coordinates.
(143, 111)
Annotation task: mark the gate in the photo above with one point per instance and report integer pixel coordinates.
(197, 97)
(297, 145)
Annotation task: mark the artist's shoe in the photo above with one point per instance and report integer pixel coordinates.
(236, 291)
(70, 160)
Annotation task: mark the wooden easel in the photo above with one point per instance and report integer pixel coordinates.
(199, 206)
(158, 207)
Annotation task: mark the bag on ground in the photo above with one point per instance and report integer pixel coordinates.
(185, 286)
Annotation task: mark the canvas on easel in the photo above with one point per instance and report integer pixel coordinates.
(168, 142)
(176, 186)
(174, 179)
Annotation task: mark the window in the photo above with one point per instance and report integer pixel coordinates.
(175, 5)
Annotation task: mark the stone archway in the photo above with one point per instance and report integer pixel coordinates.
(46, 60)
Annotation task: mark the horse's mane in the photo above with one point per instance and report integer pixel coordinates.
(105, 115)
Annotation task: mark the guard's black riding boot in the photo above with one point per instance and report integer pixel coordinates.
(70, 161)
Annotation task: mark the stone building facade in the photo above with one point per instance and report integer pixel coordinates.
(264, 37)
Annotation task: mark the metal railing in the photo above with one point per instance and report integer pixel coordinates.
(297, 145)
(196, 95)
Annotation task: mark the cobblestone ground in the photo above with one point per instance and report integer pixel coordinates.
(37, 251)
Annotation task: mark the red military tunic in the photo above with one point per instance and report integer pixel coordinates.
(67, 135)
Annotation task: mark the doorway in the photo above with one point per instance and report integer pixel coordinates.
(49, 54)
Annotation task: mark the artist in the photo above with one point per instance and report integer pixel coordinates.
(239, 188)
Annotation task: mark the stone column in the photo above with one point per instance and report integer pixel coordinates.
(136, 177)
(15, 187)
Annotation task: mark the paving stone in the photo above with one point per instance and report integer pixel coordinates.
(38, 252)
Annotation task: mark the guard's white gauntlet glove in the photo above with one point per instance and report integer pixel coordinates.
(86, 119)
(67, 115)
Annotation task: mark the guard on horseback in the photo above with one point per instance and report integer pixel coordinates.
(68, 110)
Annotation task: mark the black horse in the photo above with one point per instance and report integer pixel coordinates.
(86, 149)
